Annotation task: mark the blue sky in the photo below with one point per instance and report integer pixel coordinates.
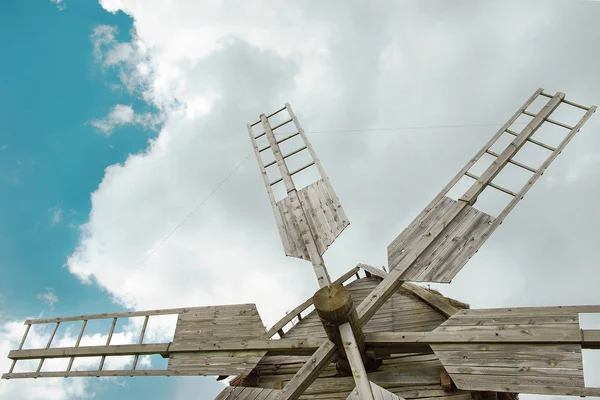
(207, 69)
(52, 158)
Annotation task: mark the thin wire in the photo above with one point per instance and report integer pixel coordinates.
(249, 154)
(186, 218)
(402, 128)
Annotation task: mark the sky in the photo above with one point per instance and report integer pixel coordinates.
(120, 118)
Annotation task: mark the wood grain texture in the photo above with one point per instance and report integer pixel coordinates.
(447, 253)
(406, 375)
(203, 324)
(554, 367)
(378, 392)
(324, 216)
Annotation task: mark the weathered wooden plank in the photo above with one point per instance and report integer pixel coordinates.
(530, 311)
(504, 371)
(501, 384)
(530, 335)
(129, 314)
(379, 393)
(66, 374)
(308, 372)
(482, 321)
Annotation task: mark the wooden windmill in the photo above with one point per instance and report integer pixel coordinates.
(376, 337)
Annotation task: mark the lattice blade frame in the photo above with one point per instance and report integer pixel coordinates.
(447, 233)
(321, 210)
(193, 351)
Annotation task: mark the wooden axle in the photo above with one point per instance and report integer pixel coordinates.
(335, 307)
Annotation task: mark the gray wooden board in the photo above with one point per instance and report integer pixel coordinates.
(379, 393)
(325, 217)
(201, 324)
(448, 253)
(516, 367)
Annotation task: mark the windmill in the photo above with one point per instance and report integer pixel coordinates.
(380, 336)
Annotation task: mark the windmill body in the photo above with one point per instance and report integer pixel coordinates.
(375, 336)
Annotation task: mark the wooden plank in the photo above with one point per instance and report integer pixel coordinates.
(540, 171)
(541, 386)
(308, 372)
(130, 314)
(265, 177)
(434, 300)
(379, 393)
(504, 371)
(533, 335)
(500, 162)
(353, 354)
(137, 372)
(478, 155)
(528, 311)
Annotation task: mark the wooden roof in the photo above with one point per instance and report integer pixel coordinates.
(406, 375)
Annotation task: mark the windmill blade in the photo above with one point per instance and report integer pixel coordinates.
(535, 350)
(216, 340)
(314, 210)
(438, 243)
(447, 233)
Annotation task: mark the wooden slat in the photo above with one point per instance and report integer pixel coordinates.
(359, 373)
(125, 314)
(379, 393)
(309, 372)
(83, 325)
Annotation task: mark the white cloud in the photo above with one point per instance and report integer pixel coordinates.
(160, 329)
(60, 4)
(211, 70)
(11, 332)
(55, 215)
(48, 297)
(122, 115)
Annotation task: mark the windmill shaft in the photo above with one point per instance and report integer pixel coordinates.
(335, 308)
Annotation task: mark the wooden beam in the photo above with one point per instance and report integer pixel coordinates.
(125, 314)
(292, 314)
(72, 374)
(470, 196)
(445, 381)
(502, 334)
(434, 300)
(308, 372)
(354, 356)
(335, 308)
(480, 153)
(274, 347)
(390, 283)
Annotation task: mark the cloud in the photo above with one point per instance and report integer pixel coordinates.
(48, 297)
(55, 215)
(11, 332)
(210, 70)
(122, 115)
(60, 4)
(159, 329)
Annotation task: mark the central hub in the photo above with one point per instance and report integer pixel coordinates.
(335, 307)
